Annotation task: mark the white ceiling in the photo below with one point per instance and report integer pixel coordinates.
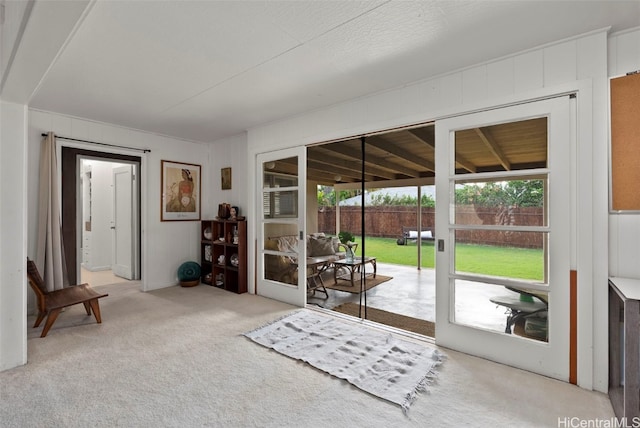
(203, 70)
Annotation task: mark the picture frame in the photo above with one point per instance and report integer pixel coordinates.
(225, 178)
(180, 191)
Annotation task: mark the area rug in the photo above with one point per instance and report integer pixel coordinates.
(374, 361)
(424, 327)
(345, 284)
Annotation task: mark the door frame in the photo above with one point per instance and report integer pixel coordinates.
(68, 159)
(550, 358)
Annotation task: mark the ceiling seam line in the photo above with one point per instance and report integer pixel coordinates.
(274, 57)
(16, 45)
(233, 77)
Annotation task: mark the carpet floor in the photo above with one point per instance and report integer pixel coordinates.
(176, 357)
(426, 328)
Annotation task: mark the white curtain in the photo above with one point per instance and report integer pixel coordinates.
(50, 248)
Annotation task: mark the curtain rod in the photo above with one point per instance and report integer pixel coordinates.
(100, 144)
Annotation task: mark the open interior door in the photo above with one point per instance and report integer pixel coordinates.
(281, 215)
(123, 222)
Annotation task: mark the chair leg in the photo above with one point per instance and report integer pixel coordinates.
(96, 309)
(41, 316)
(87, 307)
(53, 314)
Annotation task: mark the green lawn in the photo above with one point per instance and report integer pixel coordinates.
(521, 263)
(386, 250)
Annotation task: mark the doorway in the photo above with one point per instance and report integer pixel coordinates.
(398, 205)
(92, 242)
(107, 222)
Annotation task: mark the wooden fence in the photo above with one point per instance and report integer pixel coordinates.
(388, 221)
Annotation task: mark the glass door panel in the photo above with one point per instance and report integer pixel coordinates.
(502, 260)
(281, 212)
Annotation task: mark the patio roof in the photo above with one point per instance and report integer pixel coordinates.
(409, 153)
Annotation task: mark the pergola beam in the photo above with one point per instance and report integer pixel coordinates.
(493, 147)
(384, 144)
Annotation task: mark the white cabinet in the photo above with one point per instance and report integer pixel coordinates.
(86, 249)
(86, 216)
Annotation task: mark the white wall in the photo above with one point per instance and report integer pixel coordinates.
(624, 228)
(165, 245)
(13, 209)
(574, 64)
(229, 152)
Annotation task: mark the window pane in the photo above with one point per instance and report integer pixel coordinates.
(502, 203)
(277, 174)
(280, 204)
(503, 147)
(281, 238)
(280, 173)
(501, 309)
(505, 254)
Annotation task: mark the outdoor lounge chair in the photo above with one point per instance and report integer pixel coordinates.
(50, 303)
(411, 234)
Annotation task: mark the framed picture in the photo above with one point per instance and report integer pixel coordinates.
(181, 193)
(225, 178)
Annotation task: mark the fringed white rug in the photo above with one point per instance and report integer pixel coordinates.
(376, 362)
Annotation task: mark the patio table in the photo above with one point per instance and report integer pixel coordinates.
(352, 267)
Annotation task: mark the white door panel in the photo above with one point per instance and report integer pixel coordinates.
(123, 222)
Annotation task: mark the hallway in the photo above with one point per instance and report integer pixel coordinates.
(100, 277)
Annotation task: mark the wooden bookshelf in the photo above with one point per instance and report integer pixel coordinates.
(223, 254)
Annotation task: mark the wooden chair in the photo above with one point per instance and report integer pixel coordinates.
(50, 303)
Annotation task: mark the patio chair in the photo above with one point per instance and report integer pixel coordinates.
(526, 304)
(50, 303)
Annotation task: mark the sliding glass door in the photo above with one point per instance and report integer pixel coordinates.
(503, 235)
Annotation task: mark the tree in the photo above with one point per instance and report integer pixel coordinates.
(327, 195)
(405, 200)
(522, 193)
(525, 193)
